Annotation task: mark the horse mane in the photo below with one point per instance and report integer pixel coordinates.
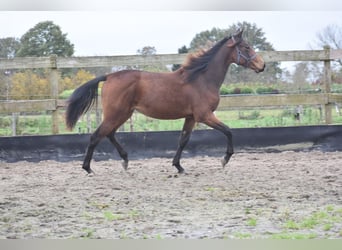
(198, 62)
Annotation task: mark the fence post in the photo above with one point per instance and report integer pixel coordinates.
(15, 117)
(327, 85)
(54, 91)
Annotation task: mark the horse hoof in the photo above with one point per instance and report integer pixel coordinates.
(125, 164)
(90, 172)
(180, 170)
(224, 162)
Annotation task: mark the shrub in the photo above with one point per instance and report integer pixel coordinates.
(66, 94)
(224, 90)
(237, 91)
(247, 90)
(5, 122)
(267, 90)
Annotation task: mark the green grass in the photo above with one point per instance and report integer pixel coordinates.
(327, 227)
(328, 220)
(40, 123)
(294, 236)
(111, 217)
(252, 222)
(210, 189)
(88, 233)
(239, 235)
(290, 224)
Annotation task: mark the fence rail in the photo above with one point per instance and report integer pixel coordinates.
(55, 63)
(161, 59)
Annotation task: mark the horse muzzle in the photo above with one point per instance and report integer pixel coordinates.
(257, 70)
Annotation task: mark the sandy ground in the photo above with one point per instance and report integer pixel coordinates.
(258, 195)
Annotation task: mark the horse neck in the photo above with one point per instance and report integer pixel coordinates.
(218, 67)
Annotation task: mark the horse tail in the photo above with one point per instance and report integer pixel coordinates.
(81, 100)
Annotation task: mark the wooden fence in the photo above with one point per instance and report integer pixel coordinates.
(54, 63)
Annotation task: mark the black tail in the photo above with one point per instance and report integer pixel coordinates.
(81, 100)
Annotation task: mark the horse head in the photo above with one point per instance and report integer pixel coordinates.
(244, 54)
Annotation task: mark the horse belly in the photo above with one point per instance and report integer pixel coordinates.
(162, 108)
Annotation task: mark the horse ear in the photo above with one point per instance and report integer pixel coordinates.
(239, 33)
(235, 38)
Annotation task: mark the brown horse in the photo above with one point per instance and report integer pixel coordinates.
(191, 92)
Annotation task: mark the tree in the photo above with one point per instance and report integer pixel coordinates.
(147, 51)
(28, 85)
(182, 50)
(9, 47)
(44, 39)
(330, 36)
(301, 73)
(68, 83)
(206, 39)
(253, 36)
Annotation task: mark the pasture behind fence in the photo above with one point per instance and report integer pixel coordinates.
(53, 106)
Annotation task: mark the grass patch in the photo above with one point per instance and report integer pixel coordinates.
(290, 224)
(99, 205)
(326, 220)
(309, 223)
(327, 227)
(88, 233)
(252, 222)
(133, 214)
(330, 208)
(158, 237)
(108, 215)
(242, 235)
(247, 210)
(294, 236)
(111, 217)
(210, 189)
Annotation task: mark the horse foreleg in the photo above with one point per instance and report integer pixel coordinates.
(123, 154)
(183, 140)
(215, 123)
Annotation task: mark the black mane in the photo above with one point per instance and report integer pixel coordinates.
(198, 63)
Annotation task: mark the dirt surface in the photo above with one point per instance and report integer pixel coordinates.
(259, 195)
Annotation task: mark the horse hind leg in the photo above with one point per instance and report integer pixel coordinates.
(123, 154)
(111, 136)
(105, 129)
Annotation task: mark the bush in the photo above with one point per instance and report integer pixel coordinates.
(336, 88)
(252, 116)
(5, 122)
(267, 90)
(224, 90)
(237, 91)
(66, 94)
(247, 90)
